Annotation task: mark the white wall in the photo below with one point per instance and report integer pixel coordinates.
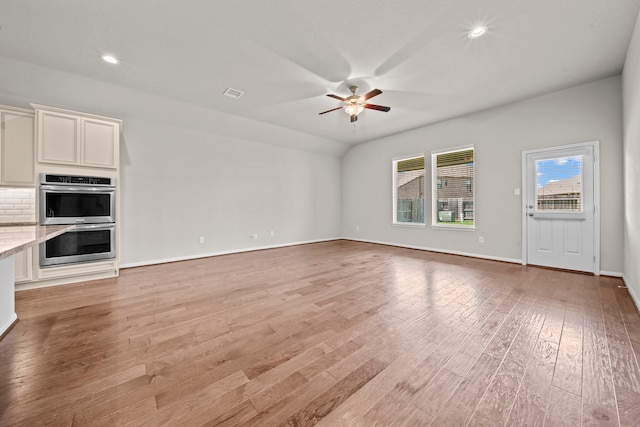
(584, 113)
(631, 95)
(188, 171)
(178, 185)
(214, 162)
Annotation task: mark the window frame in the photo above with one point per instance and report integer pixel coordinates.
(434, 189)
(394, 180)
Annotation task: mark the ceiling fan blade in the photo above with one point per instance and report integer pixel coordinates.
(354, 118)
(377, 107)
(333, 109)
(371, 94)
(336, 97)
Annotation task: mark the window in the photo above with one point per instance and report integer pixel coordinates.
(454, 188)
(559, 184)
(408, 190)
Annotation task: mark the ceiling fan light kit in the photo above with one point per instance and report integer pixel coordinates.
(355, 104)
(354, 109)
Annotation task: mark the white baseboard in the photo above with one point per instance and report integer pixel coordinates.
(8, 324)
(633, 294)
(442, 251)
(66, 280)
(211, 254)
(610, 273)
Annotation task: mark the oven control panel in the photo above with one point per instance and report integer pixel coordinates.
(75, 180)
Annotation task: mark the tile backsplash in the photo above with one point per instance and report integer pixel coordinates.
(17, 205)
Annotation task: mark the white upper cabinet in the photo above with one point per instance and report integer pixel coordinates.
(70, 138)
(58, 138)
(100, 143)
(16, 147)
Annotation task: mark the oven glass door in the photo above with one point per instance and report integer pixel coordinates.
(69, 205)
(85, 243)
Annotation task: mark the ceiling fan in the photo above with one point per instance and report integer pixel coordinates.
(355, 104)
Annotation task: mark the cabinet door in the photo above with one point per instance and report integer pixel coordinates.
(16, 148)
(23, 272)
(58, 138)
(100, 143)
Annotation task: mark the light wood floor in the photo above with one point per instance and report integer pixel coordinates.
(336, 333)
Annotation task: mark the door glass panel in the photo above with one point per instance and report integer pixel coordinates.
(559, 184)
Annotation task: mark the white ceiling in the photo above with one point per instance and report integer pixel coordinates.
(286, 55)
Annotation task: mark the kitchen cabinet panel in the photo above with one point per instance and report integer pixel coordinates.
(78, 139)
(23, 268)
(16, 147)
(58, 138)
(100, 147)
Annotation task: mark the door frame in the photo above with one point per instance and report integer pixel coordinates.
(596, 197)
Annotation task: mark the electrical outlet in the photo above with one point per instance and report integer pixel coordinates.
(273, 233)
(201, 239)
(357, 228)
(253, 237)
(481, 239)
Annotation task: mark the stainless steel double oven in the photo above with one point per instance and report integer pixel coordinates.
(89, 203)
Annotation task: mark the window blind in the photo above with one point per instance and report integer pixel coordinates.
(455, 158)
(414, 164)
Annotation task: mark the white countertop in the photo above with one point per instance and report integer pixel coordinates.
(14, 239)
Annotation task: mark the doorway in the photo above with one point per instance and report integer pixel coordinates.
(561, 226)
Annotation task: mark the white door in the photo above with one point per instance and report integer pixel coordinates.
(560, 209)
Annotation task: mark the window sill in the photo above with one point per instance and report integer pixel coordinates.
(409, 224)
(454, 227)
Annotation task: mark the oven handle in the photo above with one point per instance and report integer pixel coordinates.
(78, 189)
(80, 227)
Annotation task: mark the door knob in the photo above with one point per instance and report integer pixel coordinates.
(530, 213)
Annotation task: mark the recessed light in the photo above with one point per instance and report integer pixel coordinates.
(477, 32)
(110, 59)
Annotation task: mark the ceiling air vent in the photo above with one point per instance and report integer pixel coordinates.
(233, 93)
